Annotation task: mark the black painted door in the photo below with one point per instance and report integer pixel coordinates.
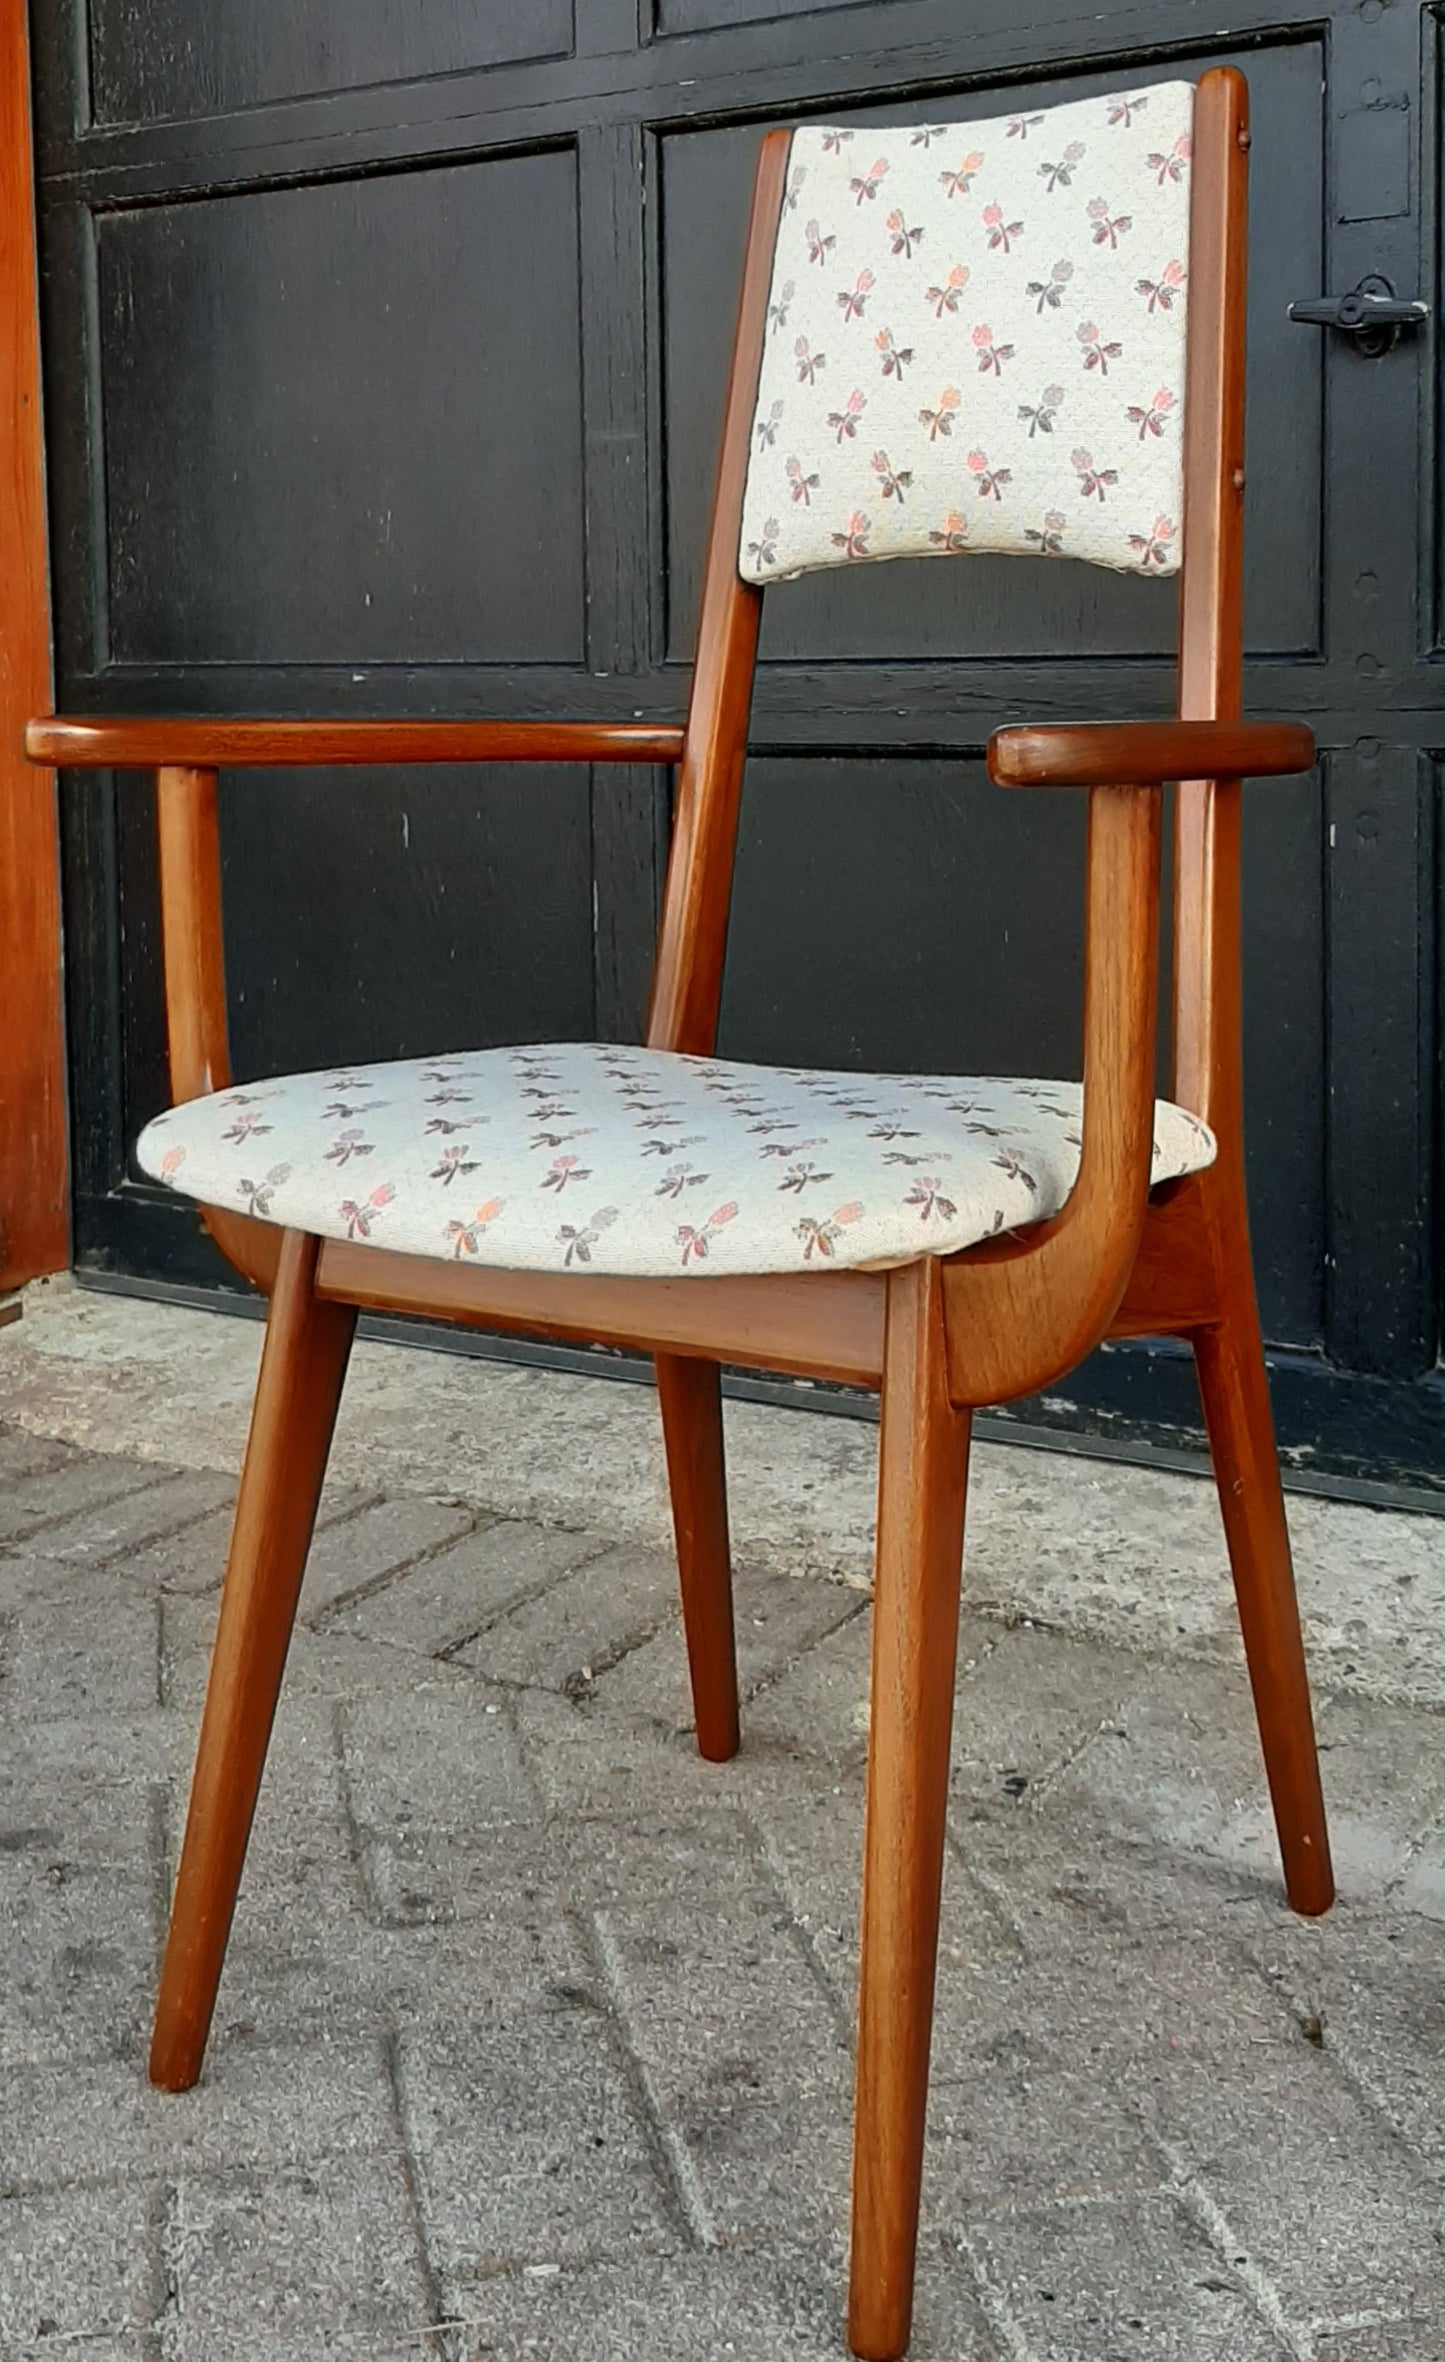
(384, 353)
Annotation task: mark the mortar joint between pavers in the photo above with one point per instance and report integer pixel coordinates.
(369, 1902)
(440, 2327)
(676, 2174)
(529, 1597)
(799, 1933)
(15, 1545)
(477, 1523)
(1214, 2226)
(996, 2310)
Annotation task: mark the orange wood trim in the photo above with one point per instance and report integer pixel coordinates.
(922, 1482)
(1173, 1288)
(692, 939)
(143, 744)
(1021, 1312)
(303, 1364)
(195, 967)
(34, 1149)
(1146, 754)
(1207, 1059)
(823, 1324)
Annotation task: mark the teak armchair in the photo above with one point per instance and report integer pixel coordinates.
(981, 1258)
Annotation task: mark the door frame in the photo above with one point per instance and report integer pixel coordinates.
(34, 1151)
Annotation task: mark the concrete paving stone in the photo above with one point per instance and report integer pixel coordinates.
(1024, 2129)
(569, 1636)
(586, 1761)
(687, 2308)
(1371, 1992)
(320, 1666)
(1179, 1764)
(741, 2050)
(256, 2105)
(149, 1746)
(528, 2145)
(1317, 2192)
(67, 1656)
(194, 1559)
(452, 1597)
(300, 1862)
(1110, 2282)
(435, 1776)
(777, 1618)
(24, 1455)
(294, 2264)
(75, 2273)
(286, 1983)
(1031, 1701)
(359, 1550)
(113, 1534)
(1099, 1968)
(79, 1892)
(77, 1488)
(813, 1843)
(819, 1706)
(1383, 1770)
(1416, 2340)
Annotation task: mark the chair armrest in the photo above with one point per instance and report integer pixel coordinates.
(145, 744)
(1146, 754)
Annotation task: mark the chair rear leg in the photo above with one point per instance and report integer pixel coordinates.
(303, 1364)
(1235, 1392)
(922, 1476)
(691, 1397)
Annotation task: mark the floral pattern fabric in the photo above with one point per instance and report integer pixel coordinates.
(975, 341)
(570, 1156)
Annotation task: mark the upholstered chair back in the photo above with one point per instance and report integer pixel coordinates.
(976, 341)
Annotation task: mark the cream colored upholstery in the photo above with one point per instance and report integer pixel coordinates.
(975, 341)
(573, 1155)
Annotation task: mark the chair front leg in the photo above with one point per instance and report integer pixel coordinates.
(1234, 1388)
(303, 1364)
(690, 1394)
(922, 1478)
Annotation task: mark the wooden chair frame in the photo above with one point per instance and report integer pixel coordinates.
(939, 1337)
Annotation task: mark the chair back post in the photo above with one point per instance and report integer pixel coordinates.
(692, 937)
(1206, 999)
(195, 971)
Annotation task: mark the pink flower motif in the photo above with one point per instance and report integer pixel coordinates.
(695, 1243)
(1001, 233)
(988, 479)
(1172, 167)
(844, 422)
(359, 1218)
(1160, 292)
(852, 542)
(959, 182)
(865, 184)
(465, 1235)
(1154, 548)
(820, 1237)
(1107, 228)
(991, 356)
(1151, 418)
(946, 298)
(852, 300)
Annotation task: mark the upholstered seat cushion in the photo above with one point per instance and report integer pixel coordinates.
(570, 1155)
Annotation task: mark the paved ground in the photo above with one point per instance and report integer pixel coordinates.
(534, 2039)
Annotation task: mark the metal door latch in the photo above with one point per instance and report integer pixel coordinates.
(1371, 315)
